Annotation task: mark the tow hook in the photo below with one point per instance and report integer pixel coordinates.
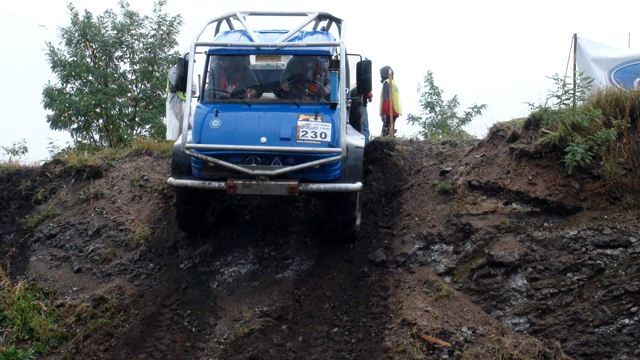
(293, 189)
(232, 188)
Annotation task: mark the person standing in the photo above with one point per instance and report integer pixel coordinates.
(365, 117)
(385, 112)
(176, 101)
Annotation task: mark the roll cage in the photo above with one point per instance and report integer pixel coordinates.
(318, 21)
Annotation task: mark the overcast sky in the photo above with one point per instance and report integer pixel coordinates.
(487, 52)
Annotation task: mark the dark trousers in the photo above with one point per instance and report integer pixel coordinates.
(386, 124)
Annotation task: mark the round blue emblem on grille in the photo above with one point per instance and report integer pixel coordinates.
(215, 123)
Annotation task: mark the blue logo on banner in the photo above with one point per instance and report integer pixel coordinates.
(626, 75)
(215, 123)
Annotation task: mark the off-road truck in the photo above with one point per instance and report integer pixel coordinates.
(272, 118)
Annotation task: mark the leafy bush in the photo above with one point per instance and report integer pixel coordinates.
(598, 130)
(577, 155)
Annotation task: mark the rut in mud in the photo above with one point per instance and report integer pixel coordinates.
(497, 254)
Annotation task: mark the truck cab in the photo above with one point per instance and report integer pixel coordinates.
(271, 119)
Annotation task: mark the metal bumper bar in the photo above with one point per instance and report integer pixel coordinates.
(254, 187)
(276, 172)
(285, 149)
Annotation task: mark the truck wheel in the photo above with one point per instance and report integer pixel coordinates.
(343, 215)
(195, 210)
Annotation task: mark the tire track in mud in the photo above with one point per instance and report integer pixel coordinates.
(157, 346)
(338, 306)
(156, 333)
(267, 285)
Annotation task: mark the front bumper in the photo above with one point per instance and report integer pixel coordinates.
(255, 187)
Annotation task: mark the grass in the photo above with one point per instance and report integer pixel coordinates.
(443, 291)
(89, 319)
(86, 160)
(443, 187)
(104, 315)
(7, 166)
(13, 353)
(141, 234)
(91, 193)
(27, 319)
(46, 212)
(160, 147)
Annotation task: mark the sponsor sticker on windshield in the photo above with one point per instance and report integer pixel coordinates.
(312, 130)
(268, 58)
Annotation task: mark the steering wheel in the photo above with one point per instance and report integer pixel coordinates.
(238, 92)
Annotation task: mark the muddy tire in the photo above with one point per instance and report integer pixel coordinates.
(343, 216)
(195, 210)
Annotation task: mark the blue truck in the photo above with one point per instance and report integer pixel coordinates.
(272, 118)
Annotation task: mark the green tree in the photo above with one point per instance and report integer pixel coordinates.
(111, 74)
(439, 119)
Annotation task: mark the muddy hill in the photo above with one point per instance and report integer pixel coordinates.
(468, 250)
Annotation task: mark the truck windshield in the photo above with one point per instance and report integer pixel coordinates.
(268, 78)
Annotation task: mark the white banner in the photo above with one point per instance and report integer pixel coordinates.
(609, 65)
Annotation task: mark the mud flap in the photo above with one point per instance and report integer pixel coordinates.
(351, 170)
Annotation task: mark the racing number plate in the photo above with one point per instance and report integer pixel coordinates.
(311, 129)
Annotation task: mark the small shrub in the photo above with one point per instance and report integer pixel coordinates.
(16, 151)
(53, 148)
(440, 119)
(91, 193)
(25, 186)
(443, 187)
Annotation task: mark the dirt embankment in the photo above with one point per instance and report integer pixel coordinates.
(482, 245)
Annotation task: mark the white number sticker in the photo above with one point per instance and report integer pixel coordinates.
(313, 131)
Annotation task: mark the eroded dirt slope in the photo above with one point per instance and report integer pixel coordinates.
(498, 255)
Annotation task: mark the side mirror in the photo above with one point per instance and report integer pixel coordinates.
(363, 77)
(182, 67)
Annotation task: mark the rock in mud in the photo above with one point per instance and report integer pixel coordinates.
(378, 257)
(506, 251)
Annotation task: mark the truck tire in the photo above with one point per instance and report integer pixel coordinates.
(195, 210)
(343, 215)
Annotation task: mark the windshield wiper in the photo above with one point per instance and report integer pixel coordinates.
(290, 98)
(233, 95)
